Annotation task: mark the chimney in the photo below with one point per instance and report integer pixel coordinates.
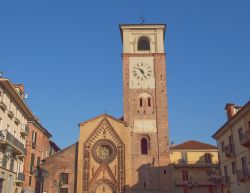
(20, 89)
(231, 110)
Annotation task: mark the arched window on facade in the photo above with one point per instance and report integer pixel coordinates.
(143, 43)
(144, 146)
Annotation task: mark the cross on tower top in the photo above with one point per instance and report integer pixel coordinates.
(142, 18)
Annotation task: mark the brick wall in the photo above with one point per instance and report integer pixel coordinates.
(61, 162)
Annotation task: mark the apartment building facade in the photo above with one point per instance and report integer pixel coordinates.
(38, 148)
(195, 168)
(14, 115)
(233, 140)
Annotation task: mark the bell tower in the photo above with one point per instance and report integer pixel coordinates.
(145, 99)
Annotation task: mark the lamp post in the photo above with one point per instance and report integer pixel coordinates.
(40, 174)
(190, 185)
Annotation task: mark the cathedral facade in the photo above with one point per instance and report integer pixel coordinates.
(130, 154)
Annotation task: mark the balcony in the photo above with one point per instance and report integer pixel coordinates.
(9, 139)
(229, 151)
(10, 113)
(17, 121)
(24, 130)
(245, 139)
(3, 106)
(20, 179)
(2, 176)
(194, 164)
(244, 175)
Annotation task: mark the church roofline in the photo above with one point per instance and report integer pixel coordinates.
(99, 116)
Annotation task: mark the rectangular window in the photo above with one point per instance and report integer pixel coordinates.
(222, 146)
(10, 105)
(63, 190)
(240, 132)
(230, 138)
(244, 166)
(249, 125)
(32, 161)
(208, 158)
(64, 178)
(149, 102)
(38, 161)
(12, 165)
(30, 180)
(33, 139)
(233, 168)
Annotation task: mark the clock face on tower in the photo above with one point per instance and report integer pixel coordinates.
(142, 71)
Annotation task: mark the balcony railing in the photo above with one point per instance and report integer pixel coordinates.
(20, 179)
(244, 175)
(8, 138)
(229, 150)
(3, 106)
(245, 139)
(194, 164)
(24, 130)
(17, 120)
(10, 113)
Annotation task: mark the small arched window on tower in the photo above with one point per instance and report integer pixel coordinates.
(149, 102)
(143, 44)
(144, 146)
(141, 102)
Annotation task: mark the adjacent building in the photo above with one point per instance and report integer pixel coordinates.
(60, 171)
(233, 140)
(24, 142)
(14, 115)
(195, 168)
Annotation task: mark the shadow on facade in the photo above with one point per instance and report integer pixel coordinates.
(152, 178)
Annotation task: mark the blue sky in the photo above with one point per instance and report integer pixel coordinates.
(68, 55)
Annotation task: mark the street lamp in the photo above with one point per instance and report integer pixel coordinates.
(190, 185)
(40, 174)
